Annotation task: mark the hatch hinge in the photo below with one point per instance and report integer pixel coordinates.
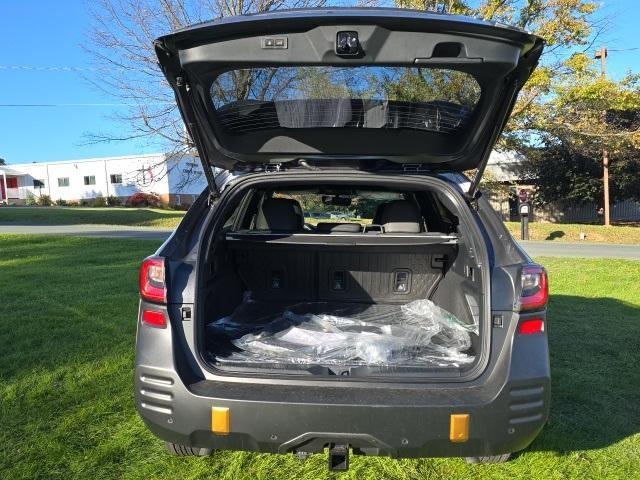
(472, 199)
(213, 196)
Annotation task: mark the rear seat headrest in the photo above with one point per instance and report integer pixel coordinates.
(329, 227)
(377, 217)
(280, 214)
(401, 216)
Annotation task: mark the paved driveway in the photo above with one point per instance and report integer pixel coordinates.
(535, 249)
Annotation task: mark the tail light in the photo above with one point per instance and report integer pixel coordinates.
(535, 288)
(151, 281)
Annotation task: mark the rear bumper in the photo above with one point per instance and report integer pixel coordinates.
(282, 422)
(507, 406)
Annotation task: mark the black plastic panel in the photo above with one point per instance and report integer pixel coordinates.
(346, 273)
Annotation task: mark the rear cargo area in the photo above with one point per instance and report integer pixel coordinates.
(341, 300)
(334, 309)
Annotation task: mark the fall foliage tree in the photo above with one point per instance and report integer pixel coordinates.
(586, 114)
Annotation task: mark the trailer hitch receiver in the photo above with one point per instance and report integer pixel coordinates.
(338, 457)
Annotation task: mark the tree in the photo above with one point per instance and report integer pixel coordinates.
(589, 110)
(586, 114)
(121, 44)
(567, 113)
(562, 172)
(2, 161)
(565, 25)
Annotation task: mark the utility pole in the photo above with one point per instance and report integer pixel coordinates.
(602, 55)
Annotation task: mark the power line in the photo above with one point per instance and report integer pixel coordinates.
(623, 49)
(45, 68)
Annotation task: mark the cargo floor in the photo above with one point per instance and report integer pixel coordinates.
(339, 338)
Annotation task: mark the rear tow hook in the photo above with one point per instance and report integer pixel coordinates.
(338, 457)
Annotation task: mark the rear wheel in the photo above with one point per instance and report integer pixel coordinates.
(489, 458)
(186, 451)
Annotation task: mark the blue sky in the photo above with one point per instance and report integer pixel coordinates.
(43, 33)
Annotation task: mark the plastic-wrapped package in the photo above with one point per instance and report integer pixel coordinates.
(417, 333)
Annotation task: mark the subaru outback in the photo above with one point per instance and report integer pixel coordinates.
(342, 284)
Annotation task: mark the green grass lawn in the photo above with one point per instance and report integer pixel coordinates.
(139, 217)
(570, 232)
(66, 377)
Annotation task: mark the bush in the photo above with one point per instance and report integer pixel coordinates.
(141, 199)
(113, 201)
(183, 207)
(61, 202)
(99, 201)
(45, 201)
(31, 200)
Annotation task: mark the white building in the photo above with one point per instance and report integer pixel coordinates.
(176, 180)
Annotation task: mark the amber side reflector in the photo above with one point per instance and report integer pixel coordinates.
(220, 420)
(459, 427)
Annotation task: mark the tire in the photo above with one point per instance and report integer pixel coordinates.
(186, 451)
(489, 458)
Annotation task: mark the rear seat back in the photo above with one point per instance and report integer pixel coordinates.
(280, 215)
(400, 216)
(331, 227)
(389, 274)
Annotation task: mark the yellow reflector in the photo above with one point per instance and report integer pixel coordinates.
(459, 427)
(220, 420)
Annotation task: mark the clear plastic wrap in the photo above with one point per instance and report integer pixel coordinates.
(418, 333)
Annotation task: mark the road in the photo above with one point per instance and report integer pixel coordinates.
(535, 249)
(89, 230)
(582, 250)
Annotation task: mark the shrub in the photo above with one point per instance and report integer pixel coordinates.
(141, 199)
(45, 201)
(31, 200)
(183, 207)
(86, 202)
(61, 202)
(99, 201)
(113, 201)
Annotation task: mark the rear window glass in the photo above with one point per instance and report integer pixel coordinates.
(431, 99)
(345, 206)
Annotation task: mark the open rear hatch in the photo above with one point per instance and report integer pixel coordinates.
(400, 85)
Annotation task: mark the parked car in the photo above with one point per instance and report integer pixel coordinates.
(420, 334)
